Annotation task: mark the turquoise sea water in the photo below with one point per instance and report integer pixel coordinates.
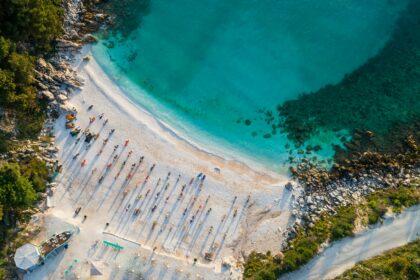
(204, 67)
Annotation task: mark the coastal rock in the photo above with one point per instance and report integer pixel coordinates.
(66, 44)
(47, 94)
(89, 38)
(62, 98)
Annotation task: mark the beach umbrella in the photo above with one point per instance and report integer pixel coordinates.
(27, 256)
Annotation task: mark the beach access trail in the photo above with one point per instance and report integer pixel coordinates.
(342, 255)
(174, 208)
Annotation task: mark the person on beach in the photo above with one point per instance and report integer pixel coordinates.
(105, 122)
(76, 155)
(112, 131)
(116, 147)
(101, 116)
(83, 163)
(126, 142)
(90, 107)
(92, 119)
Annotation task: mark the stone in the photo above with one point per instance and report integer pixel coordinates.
(42, 63)
(47, 94)
(62, 98)
(89, 38)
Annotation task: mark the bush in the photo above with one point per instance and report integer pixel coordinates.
(16, 191)
(37, 173)
(342, 224)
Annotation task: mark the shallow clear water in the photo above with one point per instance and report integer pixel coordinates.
(201, 66)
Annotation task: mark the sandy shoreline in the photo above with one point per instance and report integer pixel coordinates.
(182, 216)
(114, 94)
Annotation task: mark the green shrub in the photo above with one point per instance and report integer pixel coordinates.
(37, 173)
(342, 224)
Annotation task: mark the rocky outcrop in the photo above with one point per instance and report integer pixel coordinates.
(320, 190)
(55, 78)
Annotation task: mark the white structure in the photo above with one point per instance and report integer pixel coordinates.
(27, 257)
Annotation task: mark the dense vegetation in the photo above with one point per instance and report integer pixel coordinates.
(380, 96)
(306, 244)
(19, 185)
(27, 31)
(402, 263)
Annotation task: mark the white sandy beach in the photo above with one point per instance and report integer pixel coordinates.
(170, 230)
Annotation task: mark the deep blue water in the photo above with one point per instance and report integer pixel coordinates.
(206, 66)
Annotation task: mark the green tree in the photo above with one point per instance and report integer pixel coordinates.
(22, 66)
(37, 173)
(7, 87)
(5, 46)
(33, 21)
(15, 190)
